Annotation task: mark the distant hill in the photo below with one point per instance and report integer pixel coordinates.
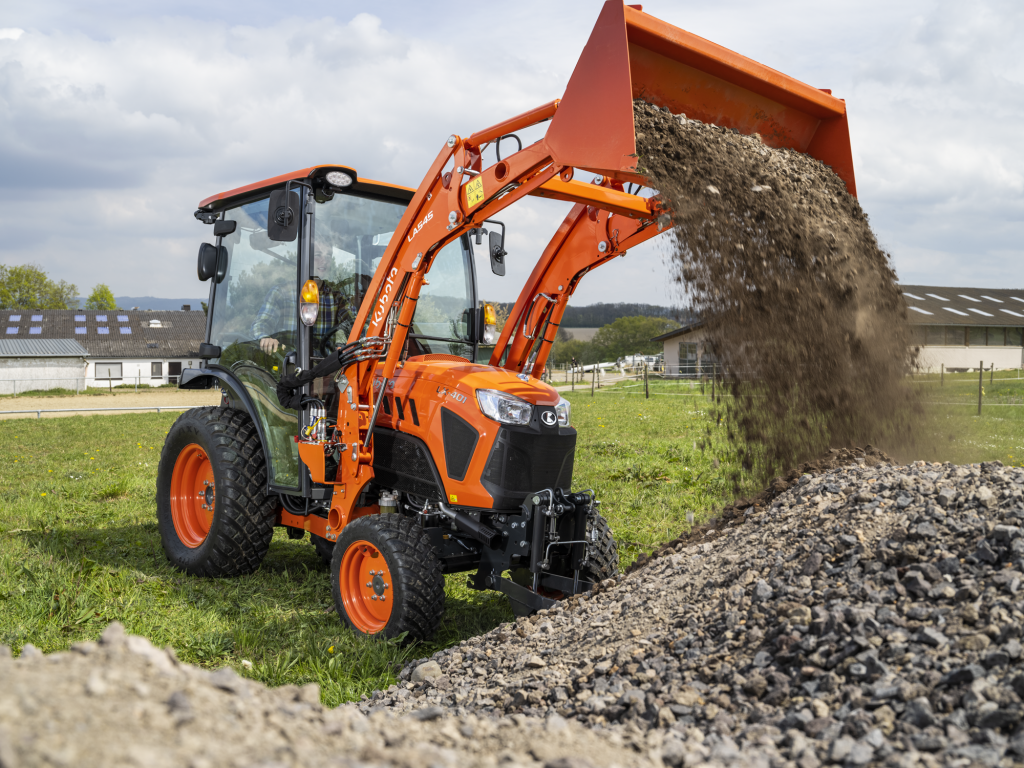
(599, 315)
(150, 302)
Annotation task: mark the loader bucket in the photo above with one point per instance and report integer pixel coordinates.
(632, 55)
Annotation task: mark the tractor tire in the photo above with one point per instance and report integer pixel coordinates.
(387, 579)
(213, 512)
(604, 555)
(323, 547)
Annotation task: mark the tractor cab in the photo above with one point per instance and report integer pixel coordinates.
(285, 293)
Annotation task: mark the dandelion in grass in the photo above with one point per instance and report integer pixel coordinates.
(331, 649)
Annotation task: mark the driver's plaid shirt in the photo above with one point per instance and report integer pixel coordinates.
(279, 312)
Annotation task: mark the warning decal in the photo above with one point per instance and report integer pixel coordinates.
(474, 192)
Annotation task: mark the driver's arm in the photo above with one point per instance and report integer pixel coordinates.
(266, 321)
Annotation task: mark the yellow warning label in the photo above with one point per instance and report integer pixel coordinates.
(453, 498)
(474, 192)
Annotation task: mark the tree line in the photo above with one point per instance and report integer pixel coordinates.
(624, 337)
(29, 287)
(602, 314)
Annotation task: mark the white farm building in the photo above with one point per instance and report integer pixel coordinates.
(956, 329)
(146, 348)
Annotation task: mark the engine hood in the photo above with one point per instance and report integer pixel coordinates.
(466, 378)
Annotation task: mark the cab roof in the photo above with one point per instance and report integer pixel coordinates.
(366, 186)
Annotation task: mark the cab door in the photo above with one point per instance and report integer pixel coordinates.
(254, 320)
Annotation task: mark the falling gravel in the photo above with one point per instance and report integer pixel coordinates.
(866, 615)
(799, 303)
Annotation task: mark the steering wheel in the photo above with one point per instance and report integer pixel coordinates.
(326, 347)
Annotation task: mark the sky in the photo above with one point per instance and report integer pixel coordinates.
(117, 118)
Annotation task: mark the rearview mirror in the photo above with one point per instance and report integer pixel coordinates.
(497, 250)
(222, 227)
(283, 216)
(213, 262)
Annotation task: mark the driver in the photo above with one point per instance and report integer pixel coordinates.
(279, 309)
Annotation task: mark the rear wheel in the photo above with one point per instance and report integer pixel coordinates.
(213, 513)
(387, 578)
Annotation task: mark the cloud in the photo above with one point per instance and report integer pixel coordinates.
(113, 126)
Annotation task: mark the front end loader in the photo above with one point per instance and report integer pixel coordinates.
(380, 411)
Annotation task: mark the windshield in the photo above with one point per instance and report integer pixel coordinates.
(349, 237)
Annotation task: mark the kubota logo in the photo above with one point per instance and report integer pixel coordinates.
(385, 296)
(418, 227)
(549, 418)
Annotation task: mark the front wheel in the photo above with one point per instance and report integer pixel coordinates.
(387, 579)
(213, 512)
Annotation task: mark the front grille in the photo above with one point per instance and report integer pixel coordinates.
(459, 441)
(523, 462)
(402, 462)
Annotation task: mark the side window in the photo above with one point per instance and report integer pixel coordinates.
(439, 325)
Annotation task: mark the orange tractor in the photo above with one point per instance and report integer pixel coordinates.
(346, 335)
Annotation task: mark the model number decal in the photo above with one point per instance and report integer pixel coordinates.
(457, 397)
(421, 225)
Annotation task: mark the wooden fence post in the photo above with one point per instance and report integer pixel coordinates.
(942, 376)
(981, 381)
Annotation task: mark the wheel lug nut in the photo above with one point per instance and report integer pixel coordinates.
(374, 597)
(369, 583)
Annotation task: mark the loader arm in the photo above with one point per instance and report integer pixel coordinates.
(629, 55)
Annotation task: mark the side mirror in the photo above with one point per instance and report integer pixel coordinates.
(213, 262)
(283, 216)
(222, 227)
(497, 250)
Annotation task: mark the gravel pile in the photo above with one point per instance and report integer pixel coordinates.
(869, 615)
(122, 702)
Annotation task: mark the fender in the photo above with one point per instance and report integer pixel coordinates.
(207, 378)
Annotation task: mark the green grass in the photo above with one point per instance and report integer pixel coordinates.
(79, 545)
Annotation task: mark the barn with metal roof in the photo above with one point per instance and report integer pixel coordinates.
(962, 328)
(27, 364)
(120, 346)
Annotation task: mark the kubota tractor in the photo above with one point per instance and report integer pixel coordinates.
(345, 330)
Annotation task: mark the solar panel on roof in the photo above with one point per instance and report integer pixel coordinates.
(126, 331)
(923, 312)
(913, 296)
(969, 298)
(978, 312)
(36, 329)
(79, 318)
(956, 311)
(1009, 312)
(934, 296)
(997, 301)
(14, 318)
(37, 318)
(79, 330)
(122, 318)
(13, 330)
(103, 330)
(101, 318)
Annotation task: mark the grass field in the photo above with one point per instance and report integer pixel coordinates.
(79, 544)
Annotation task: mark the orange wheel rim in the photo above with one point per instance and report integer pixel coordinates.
(193, 495)
(367, 590)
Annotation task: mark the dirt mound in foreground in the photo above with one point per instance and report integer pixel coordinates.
(122, 702)
(799, 303)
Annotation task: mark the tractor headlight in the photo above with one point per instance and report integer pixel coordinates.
(508, 409)
(564, 412)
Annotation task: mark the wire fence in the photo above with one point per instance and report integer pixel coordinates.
(16, 387)
(40, 411)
